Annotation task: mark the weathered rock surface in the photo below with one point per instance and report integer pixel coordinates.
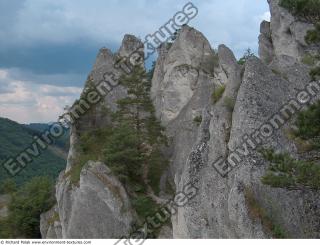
(220, 209)
(179, 72)
(50, 225)
(185, 76)
(99, 206)
(284, 35)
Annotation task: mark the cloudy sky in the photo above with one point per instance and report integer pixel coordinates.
(47, 47)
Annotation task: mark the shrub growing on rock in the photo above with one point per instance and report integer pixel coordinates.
(286, 172)
(217, 93)
(307, 10)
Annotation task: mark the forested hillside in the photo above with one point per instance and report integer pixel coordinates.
(14, 138)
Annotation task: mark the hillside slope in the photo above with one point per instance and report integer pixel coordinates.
(15, 137)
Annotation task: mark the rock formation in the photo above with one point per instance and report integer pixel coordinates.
(185, 76)
(98, 207)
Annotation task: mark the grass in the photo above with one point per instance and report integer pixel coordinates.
(197, 120)
(258, 213)
(241, 61)
(144, 206)
(90, 147)
(308, 125)
(55, 217)
(301, 144)
(217, 93)
(313, 36)
(309, 60)
(315, 73)
(288, 173)
(279, 73)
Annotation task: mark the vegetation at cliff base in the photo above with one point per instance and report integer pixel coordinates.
(131, 146)
(32, 199)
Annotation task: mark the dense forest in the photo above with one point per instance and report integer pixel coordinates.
(15, 137)
(31, 192)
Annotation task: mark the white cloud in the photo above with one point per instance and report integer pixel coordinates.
(101, 21)
(31, 102)
(29, 98)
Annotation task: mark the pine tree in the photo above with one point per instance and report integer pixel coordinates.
(137, 134)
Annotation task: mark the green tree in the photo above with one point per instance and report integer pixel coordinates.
(313, 36)
(136, 110)
(31, 200)
(308, 124)
(123, 154)
(248, 54)
(8, 186)
(286, 172)
(137, 135)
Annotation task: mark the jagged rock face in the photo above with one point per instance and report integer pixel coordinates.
(220, 209)
(131, 45)
(266, 51)
(283, 36)
(261, 95)
(99, 206)
(186, 75)
(206, 216)
(179, 72)
(50, 226)
(106, 69)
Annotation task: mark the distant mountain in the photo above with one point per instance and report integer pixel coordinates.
(62, 142)
(15, 137)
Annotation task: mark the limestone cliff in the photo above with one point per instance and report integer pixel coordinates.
(202, 130)
(253, 94)
(97, 206)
